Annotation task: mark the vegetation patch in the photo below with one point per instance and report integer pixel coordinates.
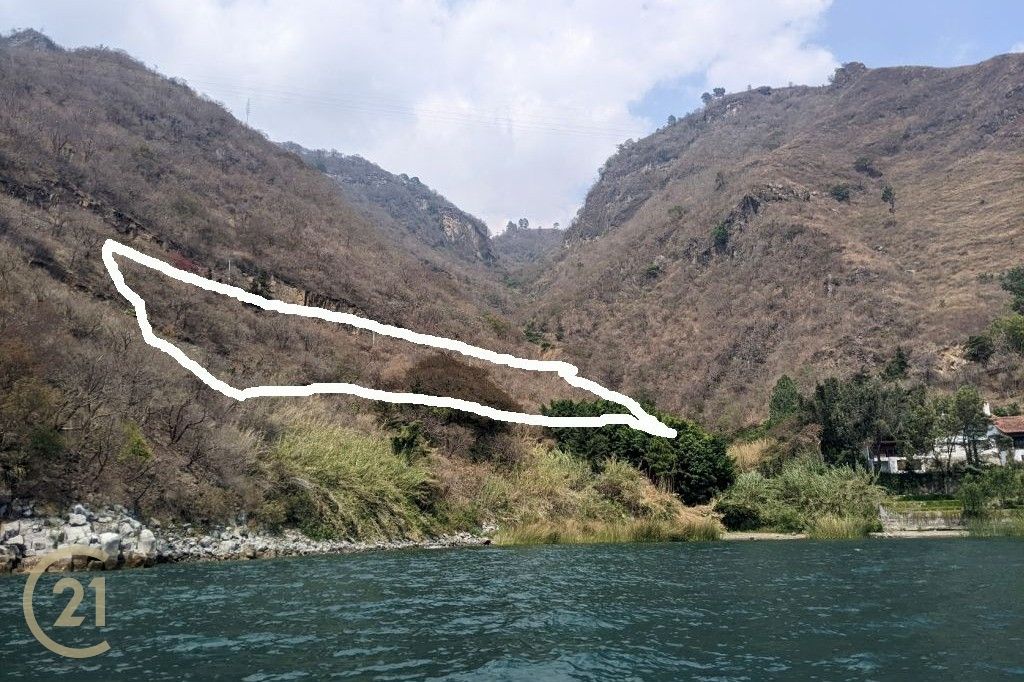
(805, 496)
(336, 482)
(694, 464)
(597, 532)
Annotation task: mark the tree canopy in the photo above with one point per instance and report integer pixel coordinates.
(694, 464)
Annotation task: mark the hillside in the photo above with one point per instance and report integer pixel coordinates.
(93, 145)
(401, 203)
(751, 239)
(525, 253)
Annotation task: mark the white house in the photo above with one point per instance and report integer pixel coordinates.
(1008, 432)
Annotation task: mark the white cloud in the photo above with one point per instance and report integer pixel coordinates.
(1017, 47)
(508, 108)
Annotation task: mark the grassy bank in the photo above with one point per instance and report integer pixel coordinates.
(575, 532)
(804, 497)
(999, 526)
(338, 482)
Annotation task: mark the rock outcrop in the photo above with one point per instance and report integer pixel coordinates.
(27, 536)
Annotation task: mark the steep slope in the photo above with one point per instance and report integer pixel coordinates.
(401, 203)
(751, 238)
(524, 254)
(94, 146)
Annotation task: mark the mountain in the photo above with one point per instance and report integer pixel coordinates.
(401, 203)
(524, 253)
(756, 237)
(95, 146)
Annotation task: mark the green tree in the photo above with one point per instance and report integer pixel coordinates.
(962, 415)
(979, 348)
(260, 285)
(1010, 332)
(897, 367)
(784, 401)
(1013, 281)
(720, 236)
(719, 92)
(706, 98)
(694, 464)
(135, 448)
(862, 413)
(889, 197)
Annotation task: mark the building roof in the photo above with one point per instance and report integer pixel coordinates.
(1009, 424)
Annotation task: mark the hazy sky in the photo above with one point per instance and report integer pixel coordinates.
(507, 107)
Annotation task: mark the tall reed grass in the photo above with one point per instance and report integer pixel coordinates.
(575, 532)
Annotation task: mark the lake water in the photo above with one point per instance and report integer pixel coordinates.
(872, 609)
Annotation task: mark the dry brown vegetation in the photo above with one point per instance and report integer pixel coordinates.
(746, 241)
(712, 257)
(93, 146)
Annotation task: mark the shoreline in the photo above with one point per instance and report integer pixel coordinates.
(128, 543)
(942, 533)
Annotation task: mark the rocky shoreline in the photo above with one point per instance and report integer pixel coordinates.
(26, 536)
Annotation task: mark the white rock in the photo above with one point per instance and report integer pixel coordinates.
(40, 542)
(110, 543)
(147, 542)
(75, 535)
(77, 520)
(16, 540)
(10, 529)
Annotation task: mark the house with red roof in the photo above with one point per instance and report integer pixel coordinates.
(1009, 432)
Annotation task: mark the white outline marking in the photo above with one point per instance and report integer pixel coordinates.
(638, 419)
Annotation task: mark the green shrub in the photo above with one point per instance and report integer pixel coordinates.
(1009, 330)
(720, 236)
(839, 192)
(1009, 525)
(801, 494)
(997, 487)
(1012, 281)
(979, 348)
(866, 166)
(135, 447)
(694, 464)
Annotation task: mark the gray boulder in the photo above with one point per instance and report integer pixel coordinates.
(110, 543)
(75, 534)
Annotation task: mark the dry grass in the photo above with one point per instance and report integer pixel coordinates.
(749, 455)
(1009, 525)
(806, 283)
(831, 527)
(574, 532)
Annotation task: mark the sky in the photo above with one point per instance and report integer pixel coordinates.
(507, 107)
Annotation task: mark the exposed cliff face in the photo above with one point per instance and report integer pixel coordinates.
(404, 204)
(751, 239)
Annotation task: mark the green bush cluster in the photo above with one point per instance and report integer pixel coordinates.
(840, 193)
(801, 498)
(995, 488)
(694, 464)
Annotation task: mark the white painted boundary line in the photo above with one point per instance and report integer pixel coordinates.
(638, 419)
